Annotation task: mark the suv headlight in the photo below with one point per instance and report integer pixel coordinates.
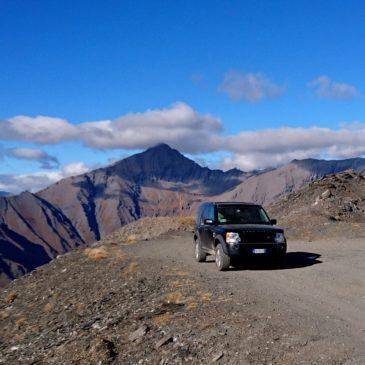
(279, 237)
(233, 237)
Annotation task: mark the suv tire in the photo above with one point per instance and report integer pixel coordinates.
(199, 254)
(222, 260)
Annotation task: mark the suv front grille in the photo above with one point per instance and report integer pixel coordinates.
(258, 237)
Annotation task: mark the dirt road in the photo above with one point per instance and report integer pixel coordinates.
(316, 301)
(149, 302)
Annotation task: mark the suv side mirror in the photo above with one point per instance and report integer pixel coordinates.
(273, 222)
(208, 221)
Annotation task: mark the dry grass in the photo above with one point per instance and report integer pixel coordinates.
(205, 296)
(175, 272)
(20, 322)
(186, 222)
(131, 268)
(176, 284)
(97, 253)
(132, 238)
(174, 298)
(4, 315)
(48, 308)
(192, 305)
(120, 255)
(80, 307)
(10, 297)
(162, 319)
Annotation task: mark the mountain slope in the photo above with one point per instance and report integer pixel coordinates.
(333, 206)
(159, 181)
(272, 185)
(32, 232)
(164, 163)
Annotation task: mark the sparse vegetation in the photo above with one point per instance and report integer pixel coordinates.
(48, 307)
(131, 268)
(97, 253)
(10, 297)
(20, 322)
(149, 228)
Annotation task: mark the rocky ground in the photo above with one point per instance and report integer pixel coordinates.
(148, 228)
(127, 301)
(333, 206)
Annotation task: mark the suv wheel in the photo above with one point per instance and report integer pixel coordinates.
(199, 254)
(222, 260)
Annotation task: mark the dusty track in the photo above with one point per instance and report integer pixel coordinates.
(317, 297)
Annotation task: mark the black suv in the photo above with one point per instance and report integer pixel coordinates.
(233, 231)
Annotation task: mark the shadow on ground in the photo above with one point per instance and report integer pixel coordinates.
(293, 260)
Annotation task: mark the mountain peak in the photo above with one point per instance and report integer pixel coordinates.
(161, 162)
(160, 146)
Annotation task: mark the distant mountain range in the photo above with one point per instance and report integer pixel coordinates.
(4, 193)
(270, 186)
(34, 228)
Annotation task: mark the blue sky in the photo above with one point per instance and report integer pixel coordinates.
(250, 65)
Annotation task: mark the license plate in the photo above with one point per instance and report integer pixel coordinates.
(259, 250)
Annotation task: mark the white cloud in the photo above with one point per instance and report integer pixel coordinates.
(179, 125)
(273, 147)
(34, 154)
(40, 129)
(74, 168)
(261, 160)
(39, 180)
(326, 88)
(249, 87)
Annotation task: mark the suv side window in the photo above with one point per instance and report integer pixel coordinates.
(206, 211)
(204, 214)
(199, 216)
(209, 212)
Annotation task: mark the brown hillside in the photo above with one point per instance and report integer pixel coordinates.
(331, 207)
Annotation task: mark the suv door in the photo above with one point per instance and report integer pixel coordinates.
(207, 238)
(200, 223)
(209, 213)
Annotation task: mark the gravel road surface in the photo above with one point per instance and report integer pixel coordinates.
(316, 298)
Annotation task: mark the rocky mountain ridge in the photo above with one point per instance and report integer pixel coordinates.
(333, 206)
(272, 185)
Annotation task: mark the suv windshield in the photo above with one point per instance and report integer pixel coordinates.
(241, 214)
